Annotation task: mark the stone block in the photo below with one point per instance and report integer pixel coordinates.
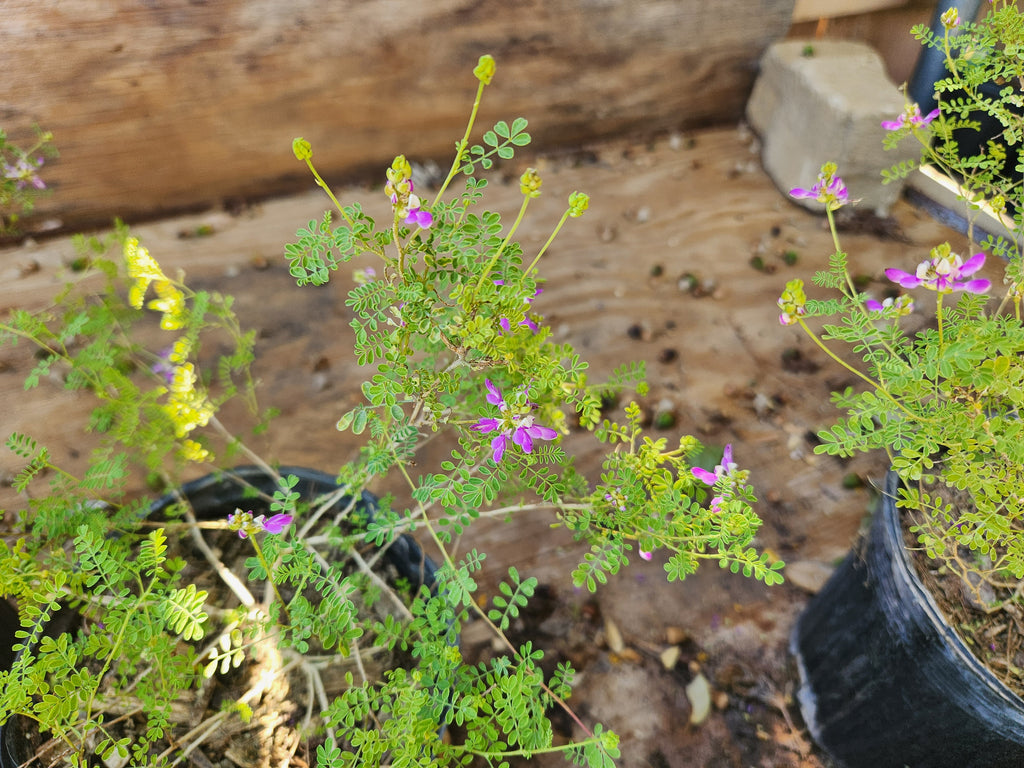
(816, 101)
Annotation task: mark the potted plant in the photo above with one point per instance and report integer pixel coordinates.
(907, 656)
(445, 326)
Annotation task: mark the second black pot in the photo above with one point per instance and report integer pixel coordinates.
(885, 681)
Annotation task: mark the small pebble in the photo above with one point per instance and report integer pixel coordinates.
(808, 575)
(698, 691)
(613, 637)
(670, 657)
(676, 635)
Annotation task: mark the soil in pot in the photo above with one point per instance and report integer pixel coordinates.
(986, 613)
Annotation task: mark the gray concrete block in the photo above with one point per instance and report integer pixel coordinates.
(829, 105)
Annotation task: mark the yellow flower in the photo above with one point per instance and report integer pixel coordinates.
(179, 352)
(184, 379)
(171, 302)
(193, 451)
(143, 268)
(400, 170)
(188, 413)
(137, 293)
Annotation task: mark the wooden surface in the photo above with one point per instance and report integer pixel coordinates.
(812, 10)
(886, 30)
(161, 105)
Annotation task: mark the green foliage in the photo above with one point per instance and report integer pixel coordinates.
(511, 599)
(946, 401)
(500, 142)
(183, 612)
(445, 326)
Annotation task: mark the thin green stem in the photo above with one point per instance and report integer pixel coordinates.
(554, 234)
(481, 613)
(323, 185)
(881, 390)
(115, 649)
(266, 567)
(501, 248)
(460, 150)
(851, 289)
(398, 247)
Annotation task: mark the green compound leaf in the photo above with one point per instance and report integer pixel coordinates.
(184, 612)
(511, 599)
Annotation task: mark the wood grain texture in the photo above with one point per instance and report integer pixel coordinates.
(163, 105)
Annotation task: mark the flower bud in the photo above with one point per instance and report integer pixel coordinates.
(484, 70)
(529, 183)
(792, 302)
(578, 203)
(399, 171)
(303, 149)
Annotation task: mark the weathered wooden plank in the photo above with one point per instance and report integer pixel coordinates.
(162, 105)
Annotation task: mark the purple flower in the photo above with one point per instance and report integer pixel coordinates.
(417, 215)
(829, 189)
(246, 524)
(911, 116)
(24, 173)
(276, 523)
(722, 470)
(405, 203)
(891, 307)
(944, 272)
(163, 367)
(617, 500)
(529, 322)
(515, 424)
(494, 396)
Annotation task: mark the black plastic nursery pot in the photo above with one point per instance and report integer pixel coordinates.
(974, 141)
(213, 497)
(885, 681)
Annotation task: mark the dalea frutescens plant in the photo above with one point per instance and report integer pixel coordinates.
(945, 402)
(446, 327)
(20, 182)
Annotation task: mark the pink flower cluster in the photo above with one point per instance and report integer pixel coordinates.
(24, 173)
(722, 470)
(829, 189)
(911, 116)
(245, 523)
(514, 425)
(944, 272)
